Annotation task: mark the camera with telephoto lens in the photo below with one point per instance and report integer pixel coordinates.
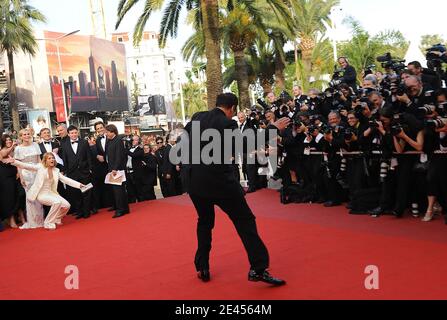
(431, 55)
(388, 62)
(336, 77)
(426, 110)
(373, 124)
(434, 124)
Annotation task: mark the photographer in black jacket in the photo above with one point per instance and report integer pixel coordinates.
(349, 75)
(429, 78)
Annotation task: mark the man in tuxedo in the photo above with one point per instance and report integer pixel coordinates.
(78, 166)
(134, 167)
(100, 169)
(159, 155)
(216, 184)
(299, 97)
(116, 161)
(248, 169)
(47, 144)
(170, 171)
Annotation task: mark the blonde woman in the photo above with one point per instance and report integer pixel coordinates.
(44, 189)
(29, 152)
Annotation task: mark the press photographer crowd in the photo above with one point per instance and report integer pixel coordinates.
(378, 148)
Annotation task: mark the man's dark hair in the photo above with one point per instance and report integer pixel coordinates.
(227, 101)
(112, 128)
(159, 139)
(98, 123)
(71, 128)
(415, 64)
(44, 129)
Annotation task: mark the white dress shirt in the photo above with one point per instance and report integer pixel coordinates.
(74, 146)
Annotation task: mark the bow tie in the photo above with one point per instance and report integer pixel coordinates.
(74, 142)
(47, 142)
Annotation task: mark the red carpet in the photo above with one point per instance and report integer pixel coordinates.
(322, 253)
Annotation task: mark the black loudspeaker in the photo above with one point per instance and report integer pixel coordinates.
(157, 104)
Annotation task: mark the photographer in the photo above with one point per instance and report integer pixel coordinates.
(134, 166)
(355, 164)
(414, 99)
(407, 136)
(429, 78)
(313, 163)
(435, 141)
(293, 142)
(333, 136)
(349, 74)
(379, 137)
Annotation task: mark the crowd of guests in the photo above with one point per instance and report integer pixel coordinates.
(80, 162)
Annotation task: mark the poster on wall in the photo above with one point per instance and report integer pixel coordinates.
(93, 69)
(38, 120)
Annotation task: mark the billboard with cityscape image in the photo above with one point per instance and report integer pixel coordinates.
(95, 70)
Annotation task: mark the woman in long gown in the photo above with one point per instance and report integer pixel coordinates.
(29, 153)
(44, 189)
(8, 184)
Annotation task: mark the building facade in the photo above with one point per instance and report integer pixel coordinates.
(154, 69)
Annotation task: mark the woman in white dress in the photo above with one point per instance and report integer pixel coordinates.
(29, 152)
(44, 189)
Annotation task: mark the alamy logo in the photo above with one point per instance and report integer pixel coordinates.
(72, 280)
(372, 280)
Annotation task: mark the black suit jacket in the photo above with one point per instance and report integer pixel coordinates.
(167, 166)
(54, 145)
(116, 155)
(137, 158)
(350, 77)
(149, 170)
(79, 165)
(215, 180)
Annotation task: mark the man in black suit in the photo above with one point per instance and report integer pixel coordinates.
(250, 170)
(148, 174)
(100, 169)
(134, 167)
(47, 144)
(216, 184)
(116, 161)
(350, 74)
(159, 155)
(78, 166)
(170, 171)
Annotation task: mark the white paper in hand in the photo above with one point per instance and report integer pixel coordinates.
(86, 188)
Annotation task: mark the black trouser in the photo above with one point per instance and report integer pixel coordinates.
(355, 175)
(436, 179)
(147, 192)
(80, 202)
(243, 219)
(404, 181)
(133, 187)
(334, 190)
(120, 198)
(250, 172)
(102, 192)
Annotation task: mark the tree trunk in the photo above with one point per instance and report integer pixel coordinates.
(297, 67)
(13, 93)
(307, 63)
(266, 86)
(214, 82)
(242, 79)
(280, 79)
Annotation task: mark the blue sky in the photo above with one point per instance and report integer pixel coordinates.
(413, 18)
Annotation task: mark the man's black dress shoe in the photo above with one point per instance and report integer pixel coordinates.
(86, 216)
(119, 214)
(251, 190)
(204, 275)
(79, 217)
(111, 210)
(266, 277)
(397, 214)
(94, 211)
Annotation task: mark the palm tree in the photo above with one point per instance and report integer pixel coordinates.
(312, 17)
(208, 17)
(16, 34)
(364, 48)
